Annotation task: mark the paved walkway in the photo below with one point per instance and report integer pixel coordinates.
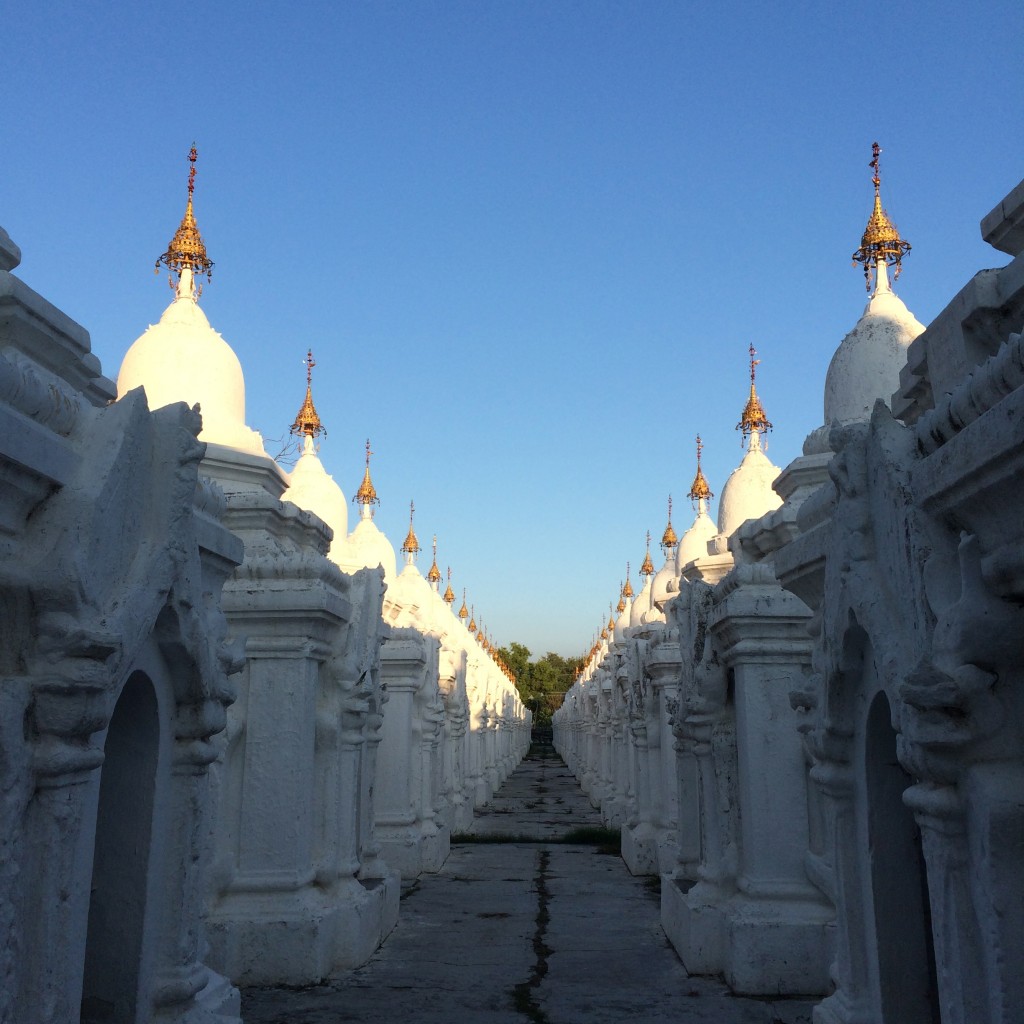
(533, 922)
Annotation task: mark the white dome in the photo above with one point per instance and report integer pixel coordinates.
(366, 548)
(311, 487)
(694, 543)
(641, 604)
(748, 492)
(412, 595)
(183, 359)
(660, 592)
(622, 622)
(867, 364)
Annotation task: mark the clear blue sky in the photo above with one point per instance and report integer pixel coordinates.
(529, 243)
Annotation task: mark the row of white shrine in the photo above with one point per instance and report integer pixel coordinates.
(223, 740)
(811, 726)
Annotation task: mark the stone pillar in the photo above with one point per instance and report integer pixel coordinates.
(405, 669)
(778, 926)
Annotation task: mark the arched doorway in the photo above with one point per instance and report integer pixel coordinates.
(903, 928)
(124, 821)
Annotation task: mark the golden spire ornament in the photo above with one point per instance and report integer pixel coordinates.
(753, 421)
(449, 594)
(410, 546)
(699, 490)
(669, 539)
(472, 620)
(463, 611)
(308, 422)
(621, 606)
(627, 590)
(434, 574)
(367, 494)
(880, 245)
(647, 569)
(186, 249)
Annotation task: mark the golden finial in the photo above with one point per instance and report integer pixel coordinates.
(611, 620)
(621, 606)
(699, 490)
(669, 539)
(410, 546)
(881, 242)
(434, 574)
(647, 569)
(367, 494)
(308, 422)
(449, 594)
(627, 590)
(472, 620)
(186, 248)
(753, 418)
(463, 611)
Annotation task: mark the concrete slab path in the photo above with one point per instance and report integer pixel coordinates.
(532, 920)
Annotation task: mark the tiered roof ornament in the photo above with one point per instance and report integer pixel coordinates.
(367, 494)
(647, 569)
(434, 574)
(627, 590)
(449, 594)
(308, 422)
(187, 251)
(463, 611)
(411, 546)
(699, 489)
(754, 420)
(880, 245)
(669, 540)
(472, 619)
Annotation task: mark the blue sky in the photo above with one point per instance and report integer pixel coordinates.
(529, 243)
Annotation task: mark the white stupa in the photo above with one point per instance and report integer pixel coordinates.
(182, 358)
(694, 542)
(367, 547)
(748, 493)
(621, 624)
(310, 486)
(410, 596)
(867, 364)
(664, 586)
(642, 603)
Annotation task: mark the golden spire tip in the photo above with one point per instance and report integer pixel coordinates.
(881, 242)
(307, 421)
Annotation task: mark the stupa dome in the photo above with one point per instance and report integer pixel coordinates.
(183, 359)
(867, 364)
(413, 594)
(310, 486)
(748, 492)
(641, 603)
(694, 543)
(660, 592)
(366, 548)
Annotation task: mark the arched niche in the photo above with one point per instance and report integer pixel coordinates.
(899, 887)
(121, 860)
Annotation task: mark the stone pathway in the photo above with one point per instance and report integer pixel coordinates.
(532, 920)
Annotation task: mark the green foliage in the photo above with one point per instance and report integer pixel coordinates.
(541, 683)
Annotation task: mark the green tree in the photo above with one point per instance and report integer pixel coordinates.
(542, 684)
